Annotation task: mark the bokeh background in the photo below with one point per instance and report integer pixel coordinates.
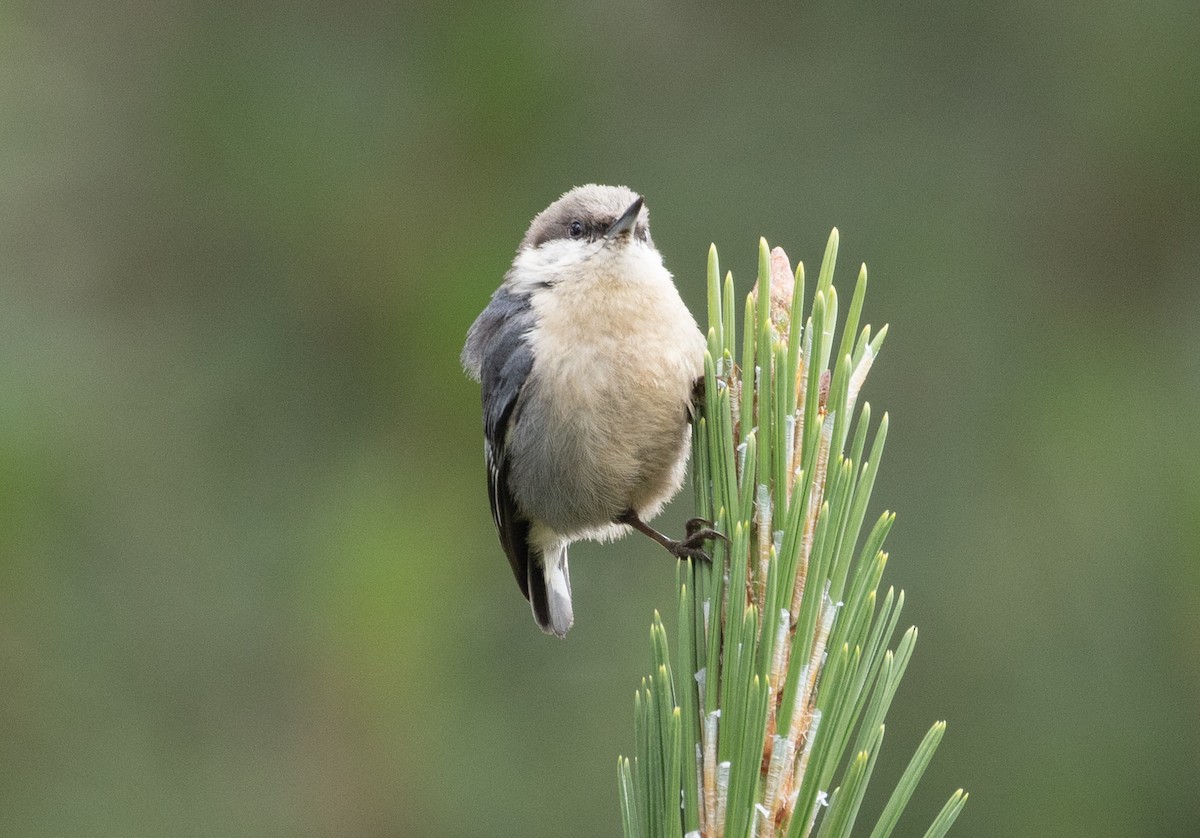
(248, 579)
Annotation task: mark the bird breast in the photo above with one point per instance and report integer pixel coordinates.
(619, 352)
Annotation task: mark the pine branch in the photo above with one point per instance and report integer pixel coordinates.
(785, 674)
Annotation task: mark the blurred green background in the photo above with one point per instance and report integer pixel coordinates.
(248, 578)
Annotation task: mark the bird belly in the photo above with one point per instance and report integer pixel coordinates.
(603, 425)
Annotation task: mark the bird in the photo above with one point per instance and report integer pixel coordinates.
(589, 364)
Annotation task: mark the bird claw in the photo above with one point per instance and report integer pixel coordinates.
(699, 530)
(682, 550)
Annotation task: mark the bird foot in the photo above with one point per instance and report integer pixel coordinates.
(691, 547)
(699, 530)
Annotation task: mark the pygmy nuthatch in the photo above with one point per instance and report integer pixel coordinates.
(588, 360)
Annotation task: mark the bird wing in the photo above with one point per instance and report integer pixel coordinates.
(507, 359)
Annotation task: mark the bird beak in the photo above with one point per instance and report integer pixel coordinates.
(625, 223)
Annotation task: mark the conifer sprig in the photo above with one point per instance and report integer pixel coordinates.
(771, 720)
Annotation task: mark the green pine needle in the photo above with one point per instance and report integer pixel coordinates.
(908, 782)
(941, 824)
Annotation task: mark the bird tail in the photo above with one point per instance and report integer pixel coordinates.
(550, 590)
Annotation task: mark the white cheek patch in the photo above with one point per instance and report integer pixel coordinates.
(563, 260)
(553, 261)
(640, 259)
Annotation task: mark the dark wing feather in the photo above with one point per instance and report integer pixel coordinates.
(506, 361)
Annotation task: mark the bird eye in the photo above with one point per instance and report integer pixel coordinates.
(575, 229)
